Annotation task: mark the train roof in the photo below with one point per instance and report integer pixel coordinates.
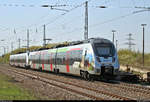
(99, 40)
(90, 40)
(19, 53)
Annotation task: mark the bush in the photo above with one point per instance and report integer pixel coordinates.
(132, 58)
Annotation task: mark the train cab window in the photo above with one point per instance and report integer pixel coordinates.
(104, 50)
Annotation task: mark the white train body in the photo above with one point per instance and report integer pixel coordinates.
(19, 60)
(95, 56)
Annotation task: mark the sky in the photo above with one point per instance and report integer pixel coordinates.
(16, 16)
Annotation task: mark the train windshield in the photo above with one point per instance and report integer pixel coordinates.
(104, 50)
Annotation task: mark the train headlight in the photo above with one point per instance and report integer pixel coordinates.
(113, 59)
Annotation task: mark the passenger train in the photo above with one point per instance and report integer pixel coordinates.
(92, 57)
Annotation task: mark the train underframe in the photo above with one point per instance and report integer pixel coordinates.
(105, 72)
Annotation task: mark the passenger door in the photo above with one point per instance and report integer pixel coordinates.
(83, 58)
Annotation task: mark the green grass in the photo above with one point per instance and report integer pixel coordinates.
(11, 91)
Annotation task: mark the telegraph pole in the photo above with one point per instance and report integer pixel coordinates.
(4, 50)
(19, 42)
(86, 21)
(27, 39)
(116, 44)
(11, 46)
(143, 42)
(44, 37)
(113, 31)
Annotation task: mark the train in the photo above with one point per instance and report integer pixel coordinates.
(86, 58)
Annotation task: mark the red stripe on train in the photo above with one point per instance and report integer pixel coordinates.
(42, 66)
(33, 65)
(67, 62)
(75, 49)
(67, 68)
(43, 62)
(51, 66)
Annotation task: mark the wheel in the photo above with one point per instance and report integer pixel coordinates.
(56, 71)
(89, 76)
(40, 68)
(85, 75)
(82, 74)
(27, 67)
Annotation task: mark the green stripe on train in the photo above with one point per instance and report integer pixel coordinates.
(59, 50)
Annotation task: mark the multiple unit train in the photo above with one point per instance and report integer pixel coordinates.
(95, 56)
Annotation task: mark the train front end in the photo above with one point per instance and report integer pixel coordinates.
(106, 59)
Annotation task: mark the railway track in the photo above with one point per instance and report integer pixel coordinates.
(72, 87)
(129, 87)
(136, 86)
(55, 84)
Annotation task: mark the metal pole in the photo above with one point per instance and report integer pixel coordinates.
(86, 21)
(113, 35)
(143, 43)
(44, 37)
(19, 42)
(11, 46)
(4, 49)
(27, 39)
(28, 51)
(116, 44)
